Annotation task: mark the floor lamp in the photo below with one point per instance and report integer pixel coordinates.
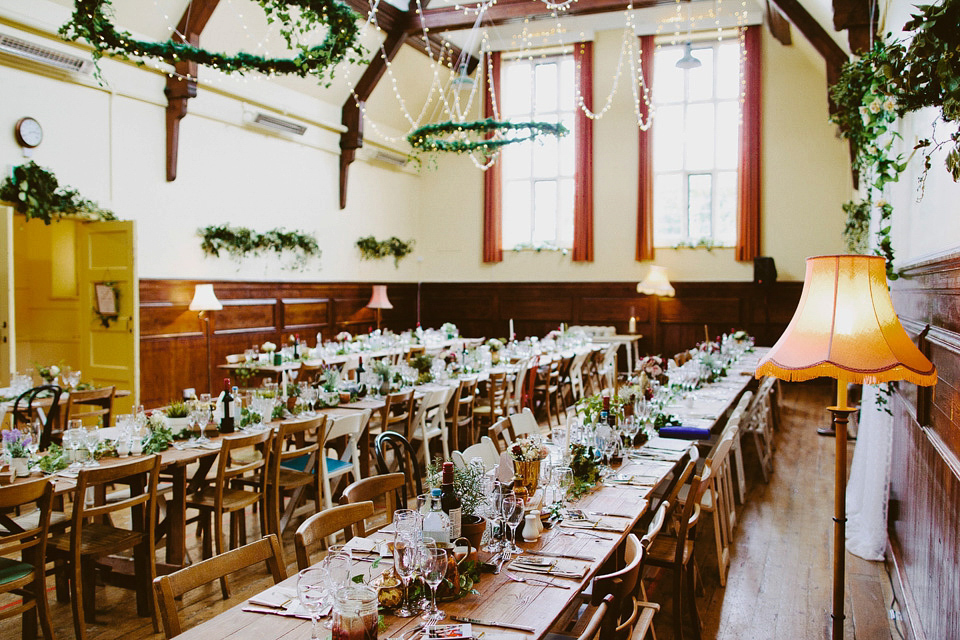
(204, 300)
(379, 300)
(845, 327)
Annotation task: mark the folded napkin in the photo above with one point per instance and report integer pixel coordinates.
(275, 597)
(559, 567)
(601, 524)
(632, 480)
(368, 545)
(685, 433)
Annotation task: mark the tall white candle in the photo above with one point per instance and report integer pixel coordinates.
(511, 329)
(633, 325)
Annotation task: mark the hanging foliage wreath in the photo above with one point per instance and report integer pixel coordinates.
(35, 192)
(91, 21)
(373, 249)
(240, 242)
(432, 137)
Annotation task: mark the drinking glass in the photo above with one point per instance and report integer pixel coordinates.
(512, 510)
(35, 433)
(91, 440)
(310, 592)
(73, 441)
(408, 523)
(337, 568)
(495, 498)
(433, 567)
(355, 613)
(406, 555)
(204, 415)
(563, 476)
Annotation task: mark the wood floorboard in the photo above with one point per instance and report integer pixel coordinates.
(778, 586)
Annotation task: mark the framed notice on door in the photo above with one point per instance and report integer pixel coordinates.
(106, 299)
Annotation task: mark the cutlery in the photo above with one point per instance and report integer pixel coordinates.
(545, 583)
(610, 515)
(504, 625)
(570, 556)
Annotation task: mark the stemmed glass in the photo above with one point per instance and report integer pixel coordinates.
(433, 567)
(310, 592)
(512, 509)
(204, 413)
(495, 496)
(91, 440)
(337, 567)
(73, 441)
(406, 555)
(563, 476)
(35, 432)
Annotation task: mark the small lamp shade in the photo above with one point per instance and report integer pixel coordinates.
(845, 327)
(379, 299)
(204, 299)
(656, 283)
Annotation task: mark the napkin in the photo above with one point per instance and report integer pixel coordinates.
(685, 433)
(559, 567)
(595, 525)
(275, 597)
(632, 480)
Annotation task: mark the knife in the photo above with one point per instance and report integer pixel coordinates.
(505, 625)
(610, 515)
(547, 554)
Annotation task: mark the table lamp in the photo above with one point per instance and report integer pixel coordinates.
(379, 300)
(204, 300)
(845, 327)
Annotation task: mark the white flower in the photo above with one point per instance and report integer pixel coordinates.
(876, 106)
(881, 203)
(872, 150)
(157, 420)
(54, 371)
(889, 105)
(269, 347)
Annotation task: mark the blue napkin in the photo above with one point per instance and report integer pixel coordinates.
(685, 433)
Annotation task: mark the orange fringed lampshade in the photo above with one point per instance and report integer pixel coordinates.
(845, 327)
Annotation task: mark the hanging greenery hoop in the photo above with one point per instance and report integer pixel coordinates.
(240, 242)
(437, 137)
(373, 249)
(91, 21)
(35, 192)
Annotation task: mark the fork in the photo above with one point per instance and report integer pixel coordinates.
(547, 583)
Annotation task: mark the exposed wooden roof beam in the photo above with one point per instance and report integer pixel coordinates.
(779, 26)
(859, 21)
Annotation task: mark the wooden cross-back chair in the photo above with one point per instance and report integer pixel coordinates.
(91, 405)
(294, 468)
(170, 587)
(313, 534)
(397, 413)
(91, 535)
(547, 390)
(405, 460)
(31, 405)
(492, 406)
(371, 489)
(26, 577)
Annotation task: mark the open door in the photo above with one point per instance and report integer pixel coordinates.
(109, 344)
(8, 336)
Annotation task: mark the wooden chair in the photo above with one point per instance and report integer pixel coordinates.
(591, 369)
(460, 417)
(371, 489)
(623, 586)
(653, 530)
(429, 423)
(716, 500)
(414, 350)
(342, 427)
(294, 468)
(606, 366)
(566, 362)
(397, 413)
(485, 450)
(492, 405)
(593, 628)
(90, 406)
(90, 537)
(502, 434)
(26, 576)
(27, 408)
(675, 553)
(576, 375)
(226, 497)
(758, 421)
(170, 587)
(312, 535)
(520, 389)
(405, 460)
(547, 390)
(524, 424)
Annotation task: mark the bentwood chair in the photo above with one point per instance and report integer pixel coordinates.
(25, 576)
(91, 406)
(405, 460)
(91, 537)
(171, 587)
(312, 535)
(373, 489)
(623, 585)
(294, 469)
(27, 408)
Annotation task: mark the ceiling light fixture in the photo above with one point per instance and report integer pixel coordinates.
(688, 61)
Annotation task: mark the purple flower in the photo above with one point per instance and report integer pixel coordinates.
(10, 436)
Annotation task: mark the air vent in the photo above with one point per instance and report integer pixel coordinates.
(44, 55)
(395, 159)
(279, 124)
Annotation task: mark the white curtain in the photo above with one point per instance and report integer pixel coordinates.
(869, 484)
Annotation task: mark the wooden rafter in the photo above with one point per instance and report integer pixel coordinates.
(779, 26)
(183, 85)
(859, 19)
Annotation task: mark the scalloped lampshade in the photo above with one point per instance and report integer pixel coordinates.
(204, 299)
(656, 283)
(379, 299)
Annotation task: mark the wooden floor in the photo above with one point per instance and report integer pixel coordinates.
(779, 584)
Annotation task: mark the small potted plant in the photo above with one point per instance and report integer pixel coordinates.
(177, 412)
(15, 444)
(270, 349)
(384, 371)
(468, 484)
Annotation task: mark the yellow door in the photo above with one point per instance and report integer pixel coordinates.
(109, 344)
(8, 338)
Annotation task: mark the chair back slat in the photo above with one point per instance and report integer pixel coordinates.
(406, 459)
(80, 402)
(372, 489)
(311, 536)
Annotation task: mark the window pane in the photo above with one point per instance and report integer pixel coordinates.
(699, 137)
(700, 80)
(700, 206)
(545, 160)
(545, 211)
(546, 88)
(728, 134)
(515, 159)
(726, 232)
(668, 139)
(668, 80)
(516, 213)
(728, 69)
(568, 147)
(565, 214)
(667, 209)
(515, 89)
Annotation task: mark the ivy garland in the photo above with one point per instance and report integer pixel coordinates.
(36, 193)
(91, 21)
(373, 249)
(240, 242)
(428, 138)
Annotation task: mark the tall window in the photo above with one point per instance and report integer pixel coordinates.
(695, 145)
(538, 176)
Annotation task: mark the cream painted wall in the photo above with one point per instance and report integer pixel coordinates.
(806, 178)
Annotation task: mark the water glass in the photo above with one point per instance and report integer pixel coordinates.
(311, 584)
(433, 568)
(406, 556)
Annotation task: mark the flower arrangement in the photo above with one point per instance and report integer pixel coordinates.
(48, 373)
(268, 347)
(495, 344)
(157, 420)
(329, 379)
(430, 137)
(450, 357)
(373, 249)
(343, 336)
(383, 370)
(740, 335)
(37, 194)
(586, 470)
(450, 330)
(159, 436)
(241, 241)
(528, 450)
(653, 366)
(590, 406)
(15, 443)
(467, 483)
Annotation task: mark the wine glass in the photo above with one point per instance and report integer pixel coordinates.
(204, 414)
(433, 567)
(563, 476)
(406, 555)
(408, 523)
(310, 592)
(495, 498)
(512, 509)
(35, 431)
(91, 440)
(73, 441)
(337, 566)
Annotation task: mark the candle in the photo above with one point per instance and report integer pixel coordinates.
(633, 325)
(511, 329)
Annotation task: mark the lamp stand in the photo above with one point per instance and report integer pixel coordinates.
(378, 319)
(204, 315)
(841, 415)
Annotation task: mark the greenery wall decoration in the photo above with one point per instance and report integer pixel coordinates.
(36, 193)
(240, 242)
(373, 249)
(91, 20)
(427, 138)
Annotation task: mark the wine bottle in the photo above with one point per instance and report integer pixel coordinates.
(227, 420)
(605, 411)
(436, 524)
(450, 501)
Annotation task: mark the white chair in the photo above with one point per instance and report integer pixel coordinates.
(349, 426)
(485, 450)
(350, 365)
(429, 421)
(524, 424)
(607, 371)
(740, 478)
(576, 375)
(758, 420)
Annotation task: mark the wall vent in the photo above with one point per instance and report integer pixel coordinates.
(279, 124)
(391, 158)
(44, 55)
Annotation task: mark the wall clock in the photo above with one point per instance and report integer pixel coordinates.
(29, 132)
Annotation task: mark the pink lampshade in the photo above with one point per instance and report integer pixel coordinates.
(379, 299)
(845, 327)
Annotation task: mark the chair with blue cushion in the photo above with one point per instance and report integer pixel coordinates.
(25, 576)
(349, 427)
(293, 469)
